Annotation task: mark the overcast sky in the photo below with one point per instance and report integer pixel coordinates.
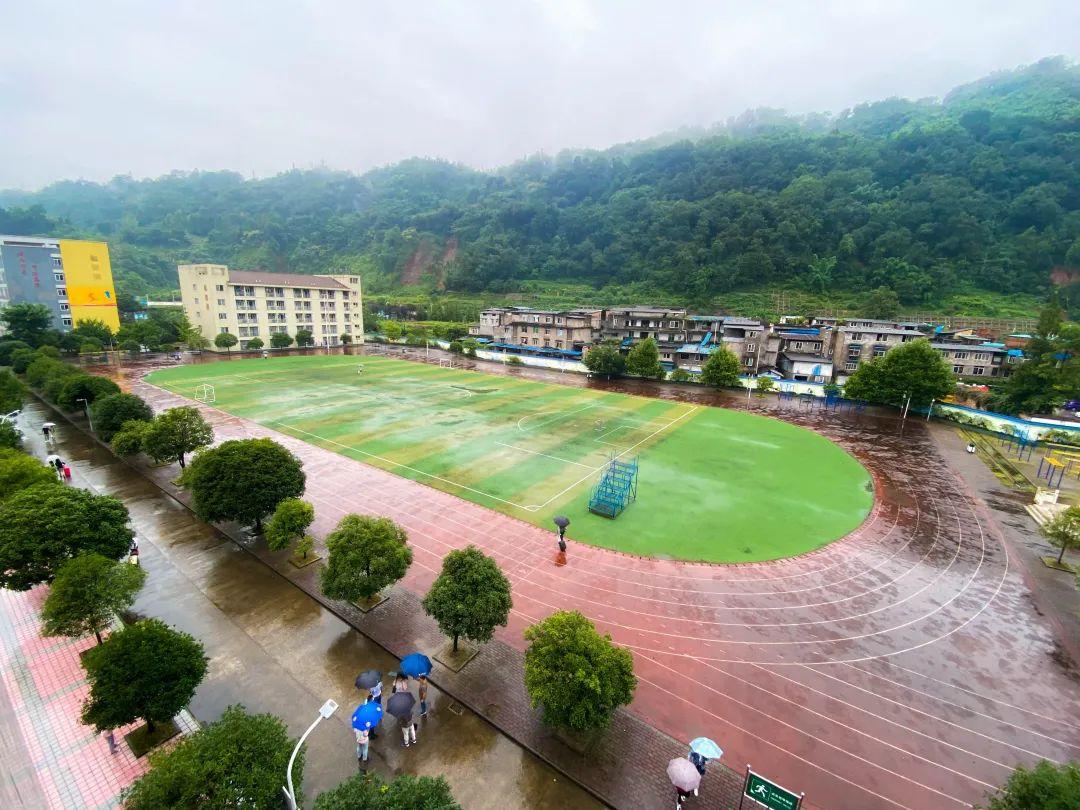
(94, 89)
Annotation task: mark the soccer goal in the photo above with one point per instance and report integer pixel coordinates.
(205, 393)
(446, 363)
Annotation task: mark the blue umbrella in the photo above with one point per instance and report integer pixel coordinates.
(415, 665)
(367, 715)
(707, 748)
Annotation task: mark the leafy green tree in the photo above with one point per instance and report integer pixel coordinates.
(43, 526)
(680, 375)
(93, 329)
(12, 392)
(367, 791)
(457, 347)
(643, 360)
(111, 412)
(721, 369)
(470, 597)
(21, 360)
(914, 368)
(43, 369)
(195, 339)
(763, 384)
(87, 593)
(819, 273)
(91, 346)
(280, 340)
(145, 671)
(1044, 787)
(1063, 531)
(26, 322)
(131, 346)
(576, 676)
(237, 761)
(289, 523)
(392, 329)
(175, 433)
(366, 555)
(255, 344)
(345, 339)
(605, 359)
(7, 347)
(128, 441)
(304, 338)
(88, 387)
(9, 436)
(243, 480)
(881, 303)
(19, 471)
(225, 340)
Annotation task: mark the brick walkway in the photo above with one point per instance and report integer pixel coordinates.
(900, 667)
(45, 685)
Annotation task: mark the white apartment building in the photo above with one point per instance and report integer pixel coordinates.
(253, 304)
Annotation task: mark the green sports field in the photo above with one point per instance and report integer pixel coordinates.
(715, 484)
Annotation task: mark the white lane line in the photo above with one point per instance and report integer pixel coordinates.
(545, 455)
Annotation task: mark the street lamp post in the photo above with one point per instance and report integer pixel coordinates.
(931, 411)
(86, 407)
(327, 709)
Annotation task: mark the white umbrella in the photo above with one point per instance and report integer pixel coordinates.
(683, 774)
(49, 424)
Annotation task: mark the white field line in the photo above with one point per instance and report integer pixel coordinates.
(556, 418)
(545, 455)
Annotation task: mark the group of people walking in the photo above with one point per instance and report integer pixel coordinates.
(406, 722)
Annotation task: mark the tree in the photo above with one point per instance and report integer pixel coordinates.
(10, 436)
(109, 413)
(914, 368)
(8, 347)
(237, 761)
(87, 593)
(19, 471)
(457, 347)
(243, 480)
(88, 387)
(367, 791)
(225, 341)
(605, 359)
(576, 676)
(90, 346)
(721, 369)
(345, 339)
(881, 303)
(366, 555)
(94, 329)
(1044, 787)
(195, 339)
(44, 368)
(644, 360)
(1063, 531)
(763, 384)
(470, 597)
(12, 392)
(255, 344)
(304, 338)
(146, 671)
(21, 360)
(26, 322)
(392, 329)
(44, 525)
(280, 340)
(175, 433)
(128, 441)
(289, 523)
(680, 375)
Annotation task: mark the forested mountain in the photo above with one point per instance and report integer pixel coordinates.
(980, 189)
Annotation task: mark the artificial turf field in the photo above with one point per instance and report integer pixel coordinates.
(715, 484)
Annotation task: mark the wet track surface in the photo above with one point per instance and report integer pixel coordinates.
(903, 666)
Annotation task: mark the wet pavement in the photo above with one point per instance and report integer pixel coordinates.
(903, 666)
(274, 649)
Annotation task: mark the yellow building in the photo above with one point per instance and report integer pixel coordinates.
(73, 278)
(252, 304)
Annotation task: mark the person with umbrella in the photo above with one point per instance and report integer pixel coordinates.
(702, 749)
(46, 430)
(401, 705)
(685, 778)
(371, 679)
(364, 720)
(562, 522)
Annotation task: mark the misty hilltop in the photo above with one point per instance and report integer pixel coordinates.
(978, 190)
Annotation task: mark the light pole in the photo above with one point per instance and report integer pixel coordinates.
(327, 709)
(86, 407)
(931, 411)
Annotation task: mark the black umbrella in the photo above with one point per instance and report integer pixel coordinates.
(400, 704)
(368, 678)
(562, 520)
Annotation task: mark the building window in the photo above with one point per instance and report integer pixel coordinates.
(220, 302)
(978, 371)
(958, 369)
(960, 355)
(61, 292)
(225, 329)
(850, 366)
(58, 278)
(751, 347)
(66, 321)
(220, 288)
(879, 351)
(222, 316)
(748, 360)
(64, 307)
(56, 261)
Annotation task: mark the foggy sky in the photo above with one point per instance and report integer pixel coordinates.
(94, 89)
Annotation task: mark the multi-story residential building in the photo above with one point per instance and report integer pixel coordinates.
(743, 337)
(556, 332)
(73, 278)
(980, 360)
(855, 344)
(630, 325)
(253, 304)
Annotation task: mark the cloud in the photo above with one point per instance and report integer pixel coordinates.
(96, 89)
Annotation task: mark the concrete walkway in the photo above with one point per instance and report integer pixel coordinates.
(274, 649)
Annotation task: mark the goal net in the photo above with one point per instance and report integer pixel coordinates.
(205, 393)
(446, 363)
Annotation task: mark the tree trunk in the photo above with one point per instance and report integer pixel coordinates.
(1062, 554)
(150, 727)
(258, 525)
(98, 634)
(181, 460)
(455, 641)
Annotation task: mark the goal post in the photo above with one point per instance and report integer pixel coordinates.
(205, 393)
(446, 362)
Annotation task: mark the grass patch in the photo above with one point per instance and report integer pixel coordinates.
(1052, 562)
(716, 485)
(141, 741)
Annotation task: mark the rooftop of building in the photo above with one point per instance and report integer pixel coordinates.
(880, 330)
(265, 279)
(796, 357)
(41, 241)
(967, 347)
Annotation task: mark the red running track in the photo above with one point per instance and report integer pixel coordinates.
(901, 667)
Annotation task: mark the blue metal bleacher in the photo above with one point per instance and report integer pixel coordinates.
(616, 489)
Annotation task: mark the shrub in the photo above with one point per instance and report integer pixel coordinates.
(89, 387)
(111, 412)
(21, 360)
(8, 347)
(128, 441)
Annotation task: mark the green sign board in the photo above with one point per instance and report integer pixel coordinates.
(769, 793)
